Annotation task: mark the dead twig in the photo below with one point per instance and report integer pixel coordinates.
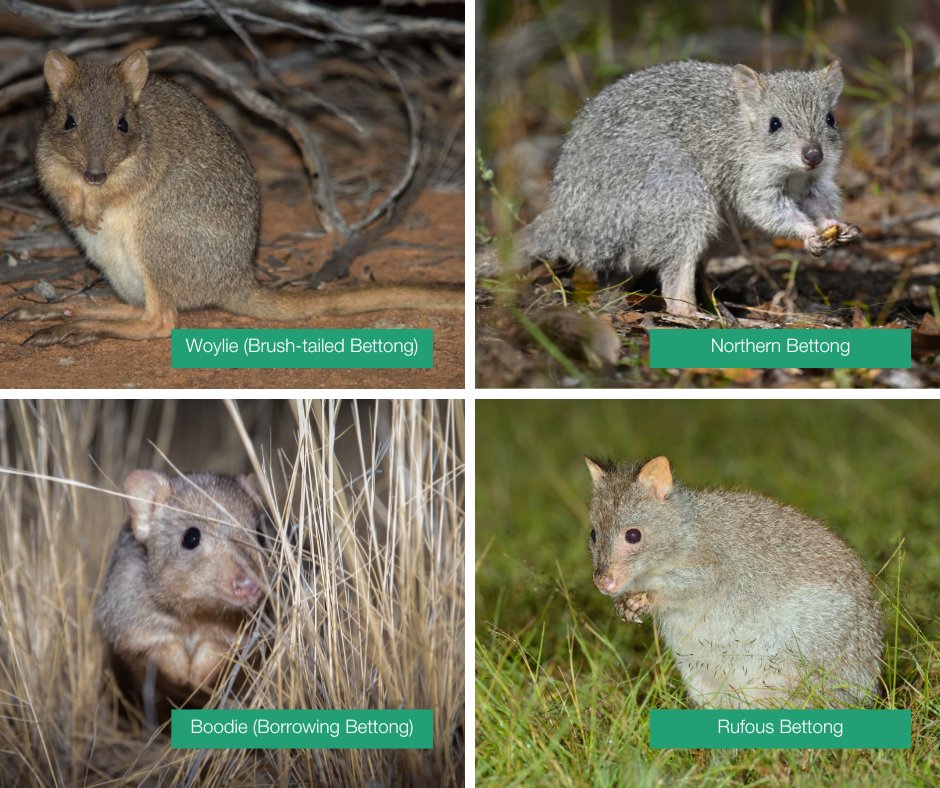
(917, 216)
(354, 22)
(17, 183)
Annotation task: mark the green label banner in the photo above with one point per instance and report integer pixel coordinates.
(759, 348)
(302, 348)
(814, 729)
(377, 729)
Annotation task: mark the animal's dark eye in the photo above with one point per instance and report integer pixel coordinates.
(593, 535)
(633, 535)
(191, 538)
(69, 122)
(775, 124)
(830, 121)
(122, 125)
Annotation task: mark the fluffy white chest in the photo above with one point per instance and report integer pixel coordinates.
(114, 251)
(724, 665)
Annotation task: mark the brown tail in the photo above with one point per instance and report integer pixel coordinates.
(267, 304)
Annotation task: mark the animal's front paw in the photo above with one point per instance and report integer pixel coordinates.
(849, 233)
(816, 244)
(633, 608)
(835, 232)
(38, 312)
(71, 334)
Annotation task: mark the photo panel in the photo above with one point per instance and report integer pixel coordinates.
(763, 565)
(283, 581)
(193, 195)
(708, 195)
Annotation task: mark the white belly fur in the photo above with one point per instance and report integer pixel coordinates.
(114, 251)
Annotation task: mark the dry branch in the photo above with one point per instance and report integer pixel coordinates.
(355, 23)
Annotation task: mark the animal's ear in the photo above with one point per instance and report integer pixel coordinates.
(832, 77)
(656, 476)
(252, 485)
(134, 70)
(749, 88)
(148, 490)
(59, 70)
(599, 469)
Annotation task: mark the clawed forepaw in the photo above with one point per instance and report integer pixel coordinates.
(833, 235)
(849, 233)
(633, 608)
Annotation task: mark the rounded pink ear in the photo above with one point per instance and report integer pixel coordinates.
(656, 476)
(135, 69)
(147, 490)
(59, 71)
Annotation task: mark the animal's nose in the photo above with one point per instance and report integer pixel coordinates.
(245, 587)
(95, 178)
(604, 582)
(812, 155)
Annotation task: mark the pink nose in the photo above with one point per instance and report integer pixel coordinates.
(605, 583)
(245, 587)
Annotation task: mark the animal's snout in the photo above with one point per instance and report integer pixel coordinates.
(95, 178)
(245, 587)
(812, 155)
(604, 581)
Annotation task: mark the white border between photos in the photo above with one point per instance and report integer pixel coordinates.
(469, 394)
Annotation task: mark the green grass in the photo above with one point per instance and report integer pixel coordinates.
(563, 688)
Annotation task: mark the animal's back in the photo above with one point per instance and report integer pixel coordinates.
(795, 597)
(204, 186)
(636, 153)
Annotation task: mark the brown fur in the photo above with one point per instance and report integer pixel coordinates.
(168, 209)
(172, 612)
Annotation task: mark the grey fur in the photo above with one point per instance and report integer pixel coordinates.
(760, 604)
(655, 162)
(178, 608)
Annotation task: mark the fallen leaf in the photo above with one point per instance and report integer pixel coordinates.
(904, 252)
(630, 317)
(925, 339)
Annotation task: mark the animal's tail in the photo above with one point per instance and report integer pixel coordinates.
(267, 304)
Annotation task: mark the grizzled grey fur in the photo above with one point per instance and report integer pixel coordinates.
(655, 162)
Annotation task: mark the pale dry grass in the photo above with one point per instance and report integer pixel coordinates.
(367, 602)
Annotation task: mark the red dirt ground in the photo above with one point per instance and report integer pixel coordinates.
(426, 247)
